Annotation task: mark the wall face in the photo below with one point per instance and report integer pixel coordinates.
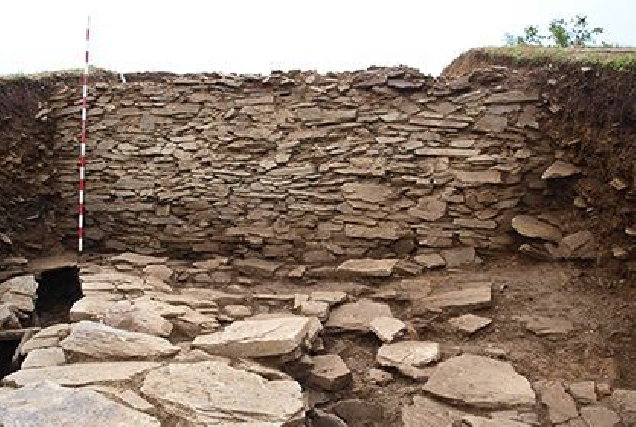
(301, 166)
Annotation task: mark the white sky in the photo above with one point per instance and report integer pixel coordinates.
(256, 36)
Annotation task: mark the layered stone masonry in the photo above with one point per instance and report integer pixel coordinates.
(301, 166)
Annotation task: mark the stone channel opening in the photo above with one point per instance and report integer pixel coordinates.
(8, 347)
(58, 289)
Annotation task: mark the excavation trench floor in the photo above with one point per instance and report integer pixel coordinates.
(551, 321)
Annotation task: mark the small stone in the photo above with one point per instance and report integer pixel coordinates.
(379, 376)
(623, 401)
(256, 267)
(368, 267)
(317, 309)
(469, 323)
(430, 260)
(618, 184)
(330, 297)
(530, 226)
(583, 392)
(560, 169)
(357, 316)
(387, 328)
(238, 311)
(600, 416)
(330, 372)
(560, 405)
(540, 325)
(408, 354)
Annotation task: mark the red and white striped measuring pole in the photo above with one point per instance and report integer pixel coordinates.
(82, 156)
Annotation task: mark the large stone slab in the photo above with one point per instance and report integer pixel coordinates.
(95, 341)
(371, 193)
(530, 226)
(368, 267)
(560, 169)
(425, 412)
(48, 404)
(480, 382)
(137, 318)
(214, 393)
(257, 337)
(465, 295)
(80, 374)
(357, 316)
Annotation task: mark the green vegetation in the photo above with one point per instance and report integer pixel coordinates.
(617, 59)
(561, 33)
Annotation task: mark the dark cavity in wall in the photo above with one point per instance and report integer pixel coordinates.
(57, 292)
(8, 349)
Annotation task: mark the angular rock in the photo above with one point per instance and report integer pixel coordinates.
(357, 316)
(8, 319)
(456, 257)
(42, 357)
(491, 123)
(137, 318)
(583, 392)
(368, 267)
(137, 259)
(530, 226)
(387, 328)
(48, 404)
(469, 323)
(317, 309)
(357, 412)
(560, 169)
(90, 308)
(407, 355)
(428, 209)
(80, 374)
(371, 193)
(479, 177)
(215, 393)
(430, 260)
(161, 272)
(237, 311)
(383, 231)
(330, 297)
(480, 382)
(425, 412)
(474, 421)
(540, 325)
(560, 405)
(257, 337)
(329, 372)
(624, 401)
(47, 337)
(600, 416)
(96, 341)
(318, 418)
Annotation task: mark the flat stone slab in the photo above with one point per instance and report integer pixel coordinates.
(96, 341)
(259, 337)
(466, 295)
(80, 374)
(560, 405)
(357, 316)
(540, 325)
(368, 267)
(426, 412)
(48, 404)
(215, 393)
(387, 328)
(600, 416)
(90, 308)
(481, 382)
(408, 354)
(475, 421)
(530, 226)
(469, 323)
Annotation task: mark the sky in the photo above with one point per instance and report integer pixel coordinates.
(257, 36)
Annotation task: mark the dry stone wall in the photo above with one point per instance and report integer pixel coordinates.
(301, 166)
